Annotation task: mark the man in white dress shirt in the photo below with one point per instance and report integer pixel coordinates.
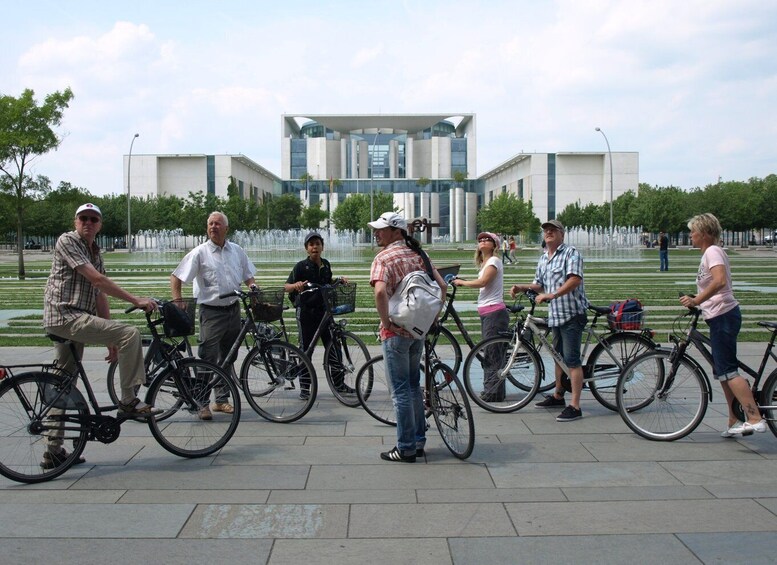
(216, 267)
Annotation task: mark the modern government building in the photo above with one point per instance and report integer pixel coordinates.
(427, 161)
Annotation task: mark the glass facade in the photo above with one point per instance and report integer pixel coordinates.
(210, 166)
(458, 155)
(299, 158)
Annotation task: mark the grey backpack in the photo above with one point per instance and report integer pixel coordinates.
(417, 301)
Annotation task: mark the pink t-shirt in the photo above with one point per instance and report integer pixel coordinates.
(723, 300)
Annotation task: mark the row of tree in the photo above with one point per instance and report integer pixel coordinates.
(740, 207)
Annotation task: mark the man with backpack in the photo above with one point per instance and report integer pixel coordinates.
(400, 255)
(559, 281)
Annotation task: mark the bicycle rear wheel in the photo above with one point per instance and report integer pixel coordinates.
(502, 375)
(32, 407)
(279, 381)
(374, 391)
(343, 358)
(444, 347)
(181, 393)
(659, 400)
(451, 411)
(768, 401)
(608, 359)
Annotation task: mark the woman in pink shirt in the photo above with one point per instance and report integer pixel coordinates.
(720, 309)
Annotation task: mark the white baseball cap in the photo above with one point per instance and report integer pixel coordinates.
(89, 207)
(389, 220)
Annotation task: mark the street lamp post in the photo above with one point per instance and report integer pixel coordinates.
(612, 241)
(129, 212)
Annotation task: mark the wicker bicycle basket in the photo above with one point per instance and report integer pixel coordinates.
(267, 305)
(179, 317)
(342, 298)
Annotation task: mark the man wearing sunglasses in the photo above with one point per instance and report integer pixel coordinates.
(76, 307)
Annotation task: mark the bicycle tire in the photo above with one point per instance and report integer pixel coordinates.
(607, 360)
(273, 376)
(768, 398)
(22, 443)
(344, 355)
(374, 392)
(181, 392)
(520, 383)
(658, 402)
(445, 348)
(151, 360)
(451, 410)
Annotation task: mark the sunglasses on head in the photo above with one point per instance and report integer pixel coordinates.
(93, 219)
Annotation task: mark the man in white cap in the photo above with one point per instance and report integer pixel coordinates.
(75, 307)
(401, 254)
(559, 281)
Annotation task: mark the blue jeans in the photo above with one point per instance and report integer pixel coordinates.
(663, 256)
(403, 364)
(724, 330)
(567, 337)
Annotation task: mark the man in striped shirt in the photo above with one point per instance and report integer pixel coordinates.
(559, 281)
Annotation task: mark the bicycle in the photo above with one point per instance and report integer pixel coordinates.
(664, 394)
(276, 376)
(508, 385)
(43, 401)
(443, 399)
(345, 353)
(174, 342)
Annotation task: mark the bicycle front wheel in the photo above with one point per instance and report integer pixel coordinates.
(35, 411)
(608, 359)
(451, 411)
(374, 391)
(502, 374)
(279, 381)
(661, 400)
(343, 358)
(180, 393)
(445, 348)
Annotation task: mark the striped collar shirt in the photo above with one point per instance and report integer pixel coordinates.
(552, 273)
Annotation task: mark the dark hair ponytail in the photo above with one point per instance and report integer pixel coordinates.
(412, 242)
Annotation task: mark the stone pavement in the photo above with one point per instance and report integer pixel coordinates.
(534, 491)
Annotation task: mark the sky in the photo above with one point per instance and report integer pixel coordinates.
(689, 84)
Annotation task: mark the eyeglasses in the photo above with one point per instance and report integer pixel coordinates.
(482, 239)
(93, 219)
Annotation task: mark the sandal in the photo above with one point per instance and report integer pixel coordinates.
(136, 409)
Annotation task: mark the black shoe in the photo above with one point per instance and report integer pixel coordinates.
(420, 452)
(345, 389)
(550, 401)
(396, 455)
(53, 460)
(569, 414)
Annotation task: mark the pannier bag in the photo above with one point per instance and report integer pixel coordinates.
(626, 315)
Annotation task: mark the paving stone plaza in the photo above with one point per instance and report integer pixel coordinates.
(534, 491)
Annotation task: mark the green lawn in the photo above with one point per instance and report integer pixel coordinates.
(754, 273)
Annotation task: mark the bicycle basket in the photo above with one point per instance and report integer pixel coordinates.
(179, 317)
(267, 305)
(341, 298)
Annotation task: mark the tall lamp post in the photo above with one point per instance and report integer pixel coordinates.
(129, 208)
(612, 241)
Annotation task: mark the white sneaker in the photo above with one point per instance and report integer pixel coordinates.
(731, 432)
(746, 428)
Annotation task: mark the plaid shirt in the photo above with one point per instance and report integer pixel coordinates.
(552, 273)
(68, 293)
(390, 266)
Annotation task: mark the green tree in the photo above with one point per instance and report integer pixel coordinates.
(312, 216)
(353, 213)
(25, 133)
(285, 212)
(506, 214)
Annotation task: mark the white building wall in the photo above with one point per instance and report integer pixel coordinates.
(471, 216)
(180, 175)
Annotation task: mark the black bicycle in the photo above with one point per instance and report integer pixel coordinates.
(40, 404)
(663, 395)
(345, 353)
